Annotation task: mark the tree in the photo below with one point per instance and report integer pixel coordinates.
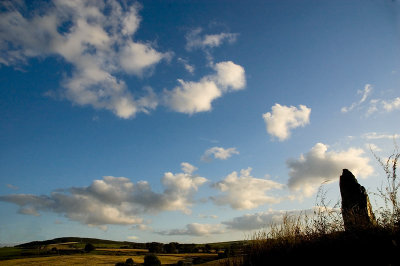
(155, 247)
(89, 247)
(171, 247)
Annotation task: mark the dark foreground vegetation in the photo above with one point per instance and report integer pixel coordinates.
(365, 247)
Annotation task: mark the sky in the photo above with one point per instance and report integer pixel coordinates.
(188, 121)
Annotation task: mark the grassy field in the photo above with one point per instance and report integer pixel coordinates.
(91, 259)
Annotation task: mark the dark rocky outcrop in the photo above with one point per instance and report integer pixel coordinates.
(356, 208)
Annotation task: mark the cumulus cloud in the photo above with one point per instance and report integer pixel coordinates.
(114, 200)
(196, 229)
(219, 153)
(242, 191)
(320, 165)
(195, 39)
(282, 119)
(95, 38)
(192, 97)
(179, 188)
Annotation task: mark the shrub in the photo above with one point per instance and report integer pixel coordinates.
(129, 261)
(151, 260)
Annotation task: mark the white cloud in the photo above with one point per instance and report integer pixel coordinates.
(132, 237)
(244, 191)
(375, 135)
(365, 93)
(136, 57)
(379, 105)
(282, 119)
(114, 200)
(193, 97)
(219, 153)
(189, 68)
(374, 105)
(179, 187)
(391, 105)
(98, 47)
(187, 168)
(229, 76)
(195, 39)
(319, 165)
(196, 229)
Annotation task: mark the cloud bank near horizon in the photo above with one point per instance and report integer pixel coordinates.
(115, 200)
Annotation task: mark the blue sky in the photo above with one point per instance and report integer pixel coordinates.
(189, 121)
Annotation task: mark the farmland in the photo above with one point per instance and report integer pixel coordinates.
(65, 252)
(91, 259)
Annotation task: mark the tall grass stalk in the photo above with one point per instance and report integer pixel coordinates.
(389, 214)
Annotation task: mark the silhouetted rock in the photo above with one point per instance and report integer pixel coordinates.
(356, 208)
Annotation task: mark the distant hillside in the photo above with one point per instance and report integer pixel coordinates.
(103, 242)
(93, 241)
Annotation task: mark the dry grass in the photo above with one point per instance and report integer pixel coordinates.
(65, 260)
(389, 214)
